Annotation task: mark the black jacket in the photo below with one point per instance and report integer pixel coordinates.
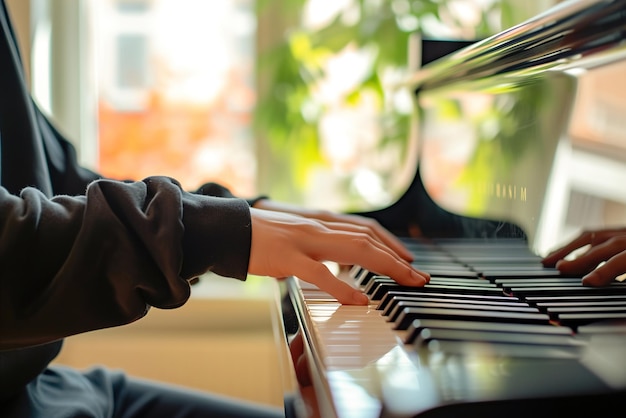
(79, 252)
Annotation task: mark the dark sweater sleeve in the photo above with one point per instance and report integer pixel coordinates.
(215, 189)
(74, 264)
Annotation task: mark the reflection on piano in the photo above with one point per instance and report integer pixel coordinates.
(494, 333)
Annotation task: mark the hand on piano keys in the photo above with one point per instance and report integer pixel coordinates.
(603, 262)
(288, 244)
(368, 224)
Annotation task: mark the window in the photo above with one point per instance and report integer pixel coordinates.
(176, 90)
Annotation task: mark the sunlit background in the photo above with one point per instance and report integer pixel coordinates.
(286, 98)
(174, 87)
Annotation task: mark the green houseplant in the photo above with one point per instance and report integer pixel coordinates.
(295, 63)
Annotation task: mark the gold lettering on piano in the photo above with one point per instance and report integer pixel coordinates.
(504, 191)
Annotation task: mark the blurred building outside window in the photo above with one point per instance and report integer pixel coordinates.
(176, 90)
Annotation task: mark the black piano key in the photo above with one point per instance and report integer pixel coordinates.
(382, 288)
(575, 298)
(503, 260)
(434, 258)
(522, 268)
(433, 255)
(419, 324)
(611, 288)
(544, 281)
(391, 303)
(568, 290)
(578, 319)
(371, 285)
(402, 305)
(580, 305)
(500, 274)
(407, 316)
(508, 287)
(610, 311)
(435, 272)
(449, 265)
(506, 262)
(355, 271)
(364, 277)
(579, 309)
(493, 337)
(389, 297)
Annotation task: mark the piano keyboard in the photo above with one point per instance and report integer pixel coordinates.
(491, 328)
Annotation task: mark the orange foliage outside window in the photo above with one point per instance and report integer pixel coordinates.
(191, 142)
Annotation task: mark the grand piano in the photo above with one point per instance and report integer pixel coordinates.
(495, 333)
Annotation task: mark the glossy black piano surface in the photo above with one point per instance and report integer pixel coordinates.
(494, 333)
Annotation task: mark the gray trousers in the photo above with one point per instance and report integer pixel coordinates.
(61, 392)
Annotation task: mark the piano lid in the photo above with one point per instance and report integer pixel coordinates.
(573, 34)
(494, 117)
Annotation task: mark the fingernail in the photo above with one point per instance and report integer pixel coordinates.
(359, 298)
(419, 278)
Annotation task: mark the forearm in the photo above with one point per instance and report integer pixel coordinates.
(73, 264)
